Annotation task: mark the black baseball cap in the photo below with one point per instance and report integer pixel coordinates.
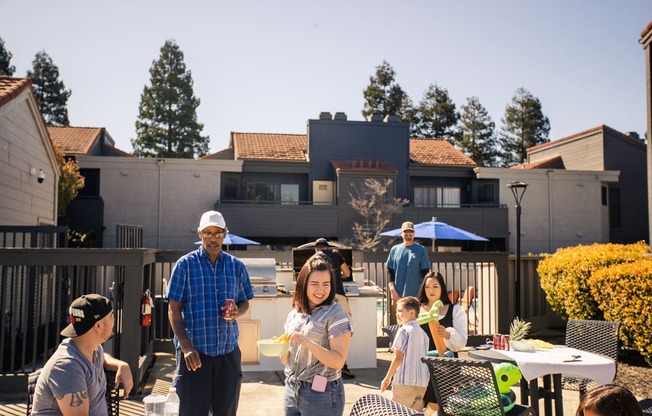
(84, 312)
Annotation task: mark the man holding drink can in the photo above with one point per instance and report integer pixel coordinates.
(208, 290)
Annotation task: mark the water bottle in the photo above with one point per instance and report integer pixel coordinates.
(172, 403)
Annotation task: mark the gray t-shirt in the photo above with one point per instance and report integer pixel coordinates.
(68, 371)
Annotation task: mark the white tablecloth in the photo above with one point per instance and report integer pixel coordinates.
(540, 362)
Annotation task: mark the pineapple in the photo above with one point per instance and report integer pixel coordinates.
(519, 329)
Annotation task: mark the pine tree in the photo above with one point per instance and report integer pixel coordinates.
(524, 126)
(437, 114)
(50, 91)
(385, 96)
(167, 124)
(477, 139)
(5, 60)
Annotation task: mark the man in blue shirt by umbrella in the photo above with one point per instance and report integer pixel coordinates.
(407, 264)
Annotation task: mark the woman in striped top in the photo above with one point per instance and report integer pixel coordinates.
(320, 332)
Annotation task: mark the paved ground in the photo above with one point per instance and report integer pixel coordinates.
(262, 392)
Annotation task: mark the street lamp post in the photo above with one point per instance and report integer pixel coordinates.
(518, 190)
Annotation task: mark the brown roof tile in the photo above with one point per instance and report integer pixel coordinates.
(75, 140)
(11, 88)
(437, 152)
(363, 166)
(268, 146)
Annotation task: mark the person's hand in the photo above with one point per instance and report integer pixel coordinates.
(123, 376)
(384, 384)
(441, 330)
(192, 359)
(395, 295)
(231, 313)
(299, 339)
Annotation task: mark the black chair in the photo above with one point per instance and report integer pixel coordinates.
(377, 405)
(468, 387)
(646, 405)
(598, 337)
(390, 330)
(112, 393)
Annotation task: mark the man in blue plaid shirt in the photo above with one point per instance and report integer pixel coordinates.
(208, 290)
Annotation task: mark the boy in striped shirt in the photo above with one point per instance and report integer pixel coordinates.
(408, 375)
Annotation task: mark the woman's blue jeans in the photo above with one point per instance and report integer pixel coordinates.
(300, 399)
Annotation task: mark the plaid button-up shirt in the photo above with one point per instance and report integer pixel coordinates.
(202, 288)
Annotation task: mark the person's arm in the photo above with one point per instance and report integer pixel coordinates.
(334, 356)
(458, 334)
(391, 275)
(122, 373)
(190, 354)
(74, 404)
(346, 272)
(396, 362)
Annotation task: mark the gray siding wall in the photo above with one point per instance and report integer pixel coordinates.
(583, 153)
(350, 140)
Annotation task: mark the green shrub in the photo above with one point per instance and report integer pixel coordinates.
(565, 274)
(623, 293)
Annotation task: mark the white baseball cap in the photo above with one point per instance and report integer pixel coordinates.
(211, 218)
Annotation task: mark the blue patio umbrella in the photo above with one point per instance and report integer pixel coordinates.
(437, 230)
(231, 238)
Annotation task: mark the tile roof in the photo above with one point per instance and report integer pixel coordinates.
(269, 146)
(75, 140)
(554, 162)
(11, 88)
(363, 166)
(437, 152)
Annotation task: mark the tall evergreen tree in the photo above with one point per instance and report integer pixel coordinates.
(50, 91)
(5, 60)
(524, 125)
(167, 124)
(477, 139)
(437, 114)
(386, 97)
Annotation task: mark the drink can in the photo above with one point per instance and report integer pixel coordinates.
(505, 342)
(497, 342)
(228, 305)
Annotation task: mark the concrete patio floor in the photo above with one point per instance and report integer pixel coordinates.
(262, 392)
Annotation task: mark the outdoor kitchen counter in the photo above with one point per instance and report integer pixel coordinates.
(266, 317)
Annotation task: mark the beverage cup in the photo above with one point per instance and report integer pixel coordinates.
(154, 405)
(505, 342)
(497, 342)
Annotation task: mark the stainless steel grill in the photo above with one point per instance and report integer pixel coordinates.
(262, 273)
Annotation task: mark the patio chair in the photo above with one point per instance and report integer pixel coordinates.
(377, 405)
(599, 337)
(646, 405)
(468, 387)
(391, 331)
(112, 393)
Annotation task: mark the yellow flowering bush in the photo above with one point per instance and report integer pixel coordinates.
(623, 293)
(565, 276)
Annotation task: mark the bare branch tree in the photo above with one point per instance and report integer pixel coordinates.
(377, 209)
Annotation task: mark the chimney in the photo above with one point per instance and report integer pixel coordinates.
(375, 118)
(392, 118)
(324, 115)
(339, 116)
(632, 134)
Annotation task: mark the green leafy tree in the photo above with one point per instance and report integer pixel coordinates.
(385, 96)
(524, 125)
(50, 91)
(167, 124)
(5, 60)
(437, 114)
(477, 137)
(377, 208)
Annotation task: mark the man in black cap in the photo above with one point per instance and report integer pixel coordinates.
(73, 381)
(338, 264)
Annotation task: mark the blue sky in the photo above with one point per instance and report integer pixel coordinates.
(268, 67)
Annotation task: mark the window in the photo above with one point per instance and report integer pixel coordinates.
(614, 208)
(286, 194)
(604, 196)
(440, 197)
(486, 193)
(230, 185)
